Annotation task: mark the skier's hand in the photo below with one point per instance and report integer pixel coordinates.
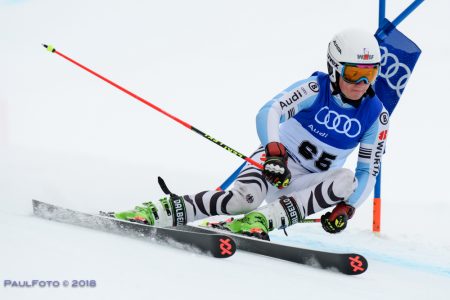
(336, 221)
(275, 167)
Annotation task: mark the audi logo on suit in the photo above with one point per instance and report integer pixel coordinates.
(337, 122)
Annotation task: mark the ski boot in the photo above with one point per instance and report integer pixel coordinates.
(168, 211)
(144, 214)
(253, 224)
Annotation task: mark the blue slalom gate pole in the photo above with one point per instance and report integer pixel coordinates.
(231, 179)
(398, 58)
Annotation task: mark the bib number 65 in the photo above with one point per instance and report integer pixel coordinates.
(309, 151)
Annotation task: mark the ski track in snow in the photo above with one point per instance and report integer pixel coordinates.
(380, 255)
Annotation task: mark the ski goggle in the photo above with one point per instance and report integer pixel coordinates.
(356, 73)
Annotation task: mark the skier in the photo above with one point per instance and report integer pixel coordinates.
(307, 131)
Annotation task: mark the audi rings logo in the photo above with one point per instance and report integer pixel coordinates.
(339, 123)
(391, 68)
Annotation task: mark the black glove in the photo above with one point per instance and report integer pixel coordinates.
(336, 221)
(275, 167)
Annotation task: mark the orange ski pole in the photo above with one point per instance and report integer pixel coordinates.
(207, 136)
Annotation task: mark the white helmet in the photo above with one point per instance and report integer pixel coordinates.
(351, 46)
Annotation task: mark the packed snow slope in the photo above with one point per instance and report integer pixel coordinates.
(70, 139)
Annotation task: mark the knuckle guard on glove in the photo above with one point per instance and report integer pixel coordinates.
(275, 169)
(336, 220)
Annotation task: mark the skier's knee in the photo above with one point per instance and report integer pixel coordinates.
(244, 202)
(345, 183)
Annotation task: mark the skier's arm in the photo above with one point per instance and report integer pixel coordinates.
(371, 150)
(284, 106)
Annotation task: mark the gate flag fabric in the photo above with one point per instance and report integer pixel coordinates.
(398, 57)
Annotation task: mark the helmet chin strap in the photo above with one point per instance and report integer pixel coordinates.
(335, 88)
(334, 80)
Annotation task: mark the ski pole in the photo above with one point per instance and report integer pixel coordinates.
(185, 124)
(310, 221)
(207, 136)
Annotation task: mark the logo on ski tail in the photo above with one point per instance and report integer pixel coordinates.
(356, 264)
(226, 247)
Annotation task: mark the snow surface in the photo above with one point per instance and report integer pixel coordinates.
(70, 139)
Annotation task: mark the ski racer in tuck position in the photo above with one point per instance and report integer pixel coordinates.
(307, 131)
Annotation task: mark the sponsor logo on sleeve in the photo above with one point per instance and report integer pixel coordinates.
(382, 135)
(314, 86)
(295, 97)
(384, 118)
(377, 160)
(304, 91)
(291, 113)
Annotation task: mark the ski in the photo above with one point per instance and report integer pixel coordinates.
(216, 244)
(207, 240)
(346, 263)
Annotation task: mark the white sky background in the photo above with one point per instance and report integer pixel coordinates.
(69, 138)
